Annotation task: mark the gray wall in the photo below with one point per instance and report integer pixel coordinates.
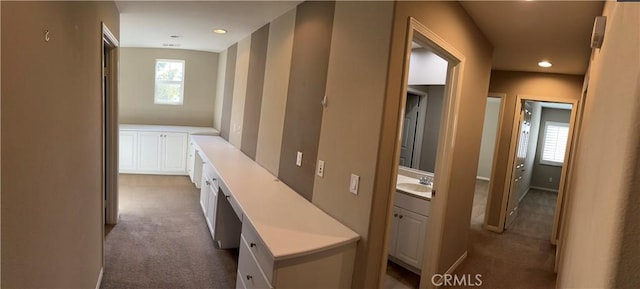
(489, 134)
(432, 121)
(542, 172)
(137, 81)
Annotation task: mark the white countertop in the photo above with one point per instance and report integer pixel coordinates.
(289, 225)
(405, 179)
(193, 130)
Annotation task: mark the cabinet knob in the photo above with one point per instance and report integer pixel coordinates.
(227, 196)
(400, 217)
(395, 215)
(249, 277)
(252, 244)
(207, 182)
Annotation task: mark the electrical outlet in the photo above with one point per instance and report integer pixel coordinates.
(551, 180)
(353, 184)
(299, 159)
(320, 171)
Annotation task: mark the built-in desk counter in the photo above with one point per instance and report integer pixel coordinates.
(305, 246)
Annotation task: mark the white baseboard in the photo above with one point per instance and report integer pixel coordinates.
(543, 189)
(483, 178)
(457, 263)
(100, 278)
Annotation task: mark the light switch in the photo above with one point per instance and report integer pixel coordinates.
(353, 184)
(320, 171)
(299, 159)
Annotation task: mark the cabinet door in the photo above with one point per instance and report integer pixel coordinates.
(175, 152)
(394, 231)
(211, 209)
(204, 194)
(149, 149)
(412, 229)
(127, 153)
(191, 161)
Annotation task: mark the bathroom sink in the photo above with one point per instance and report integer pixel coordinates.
(414, 187)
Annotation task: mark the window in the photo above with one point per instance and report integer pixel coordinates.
(169, 82)
(554, 143)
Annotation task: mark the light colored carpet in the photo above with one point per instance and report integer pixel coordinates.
(162, 240)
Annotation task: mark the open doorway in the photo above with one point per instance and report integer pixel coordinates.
(540, 146)
(426, 125)
(109, 125)
(489, 144)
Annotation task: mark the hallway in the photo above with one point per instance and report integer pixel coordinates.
(521, 257)
(162, 240)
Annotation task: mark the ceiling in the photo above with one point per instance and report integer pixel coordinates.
(151, 23)
(522, 32)
(526, 32)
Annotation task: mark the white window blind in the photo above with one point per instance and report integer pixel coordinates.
(169, 86)
(554, 143)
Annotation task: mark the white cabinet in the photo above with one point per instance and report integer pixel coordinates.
(409, 230)
(191, 161)
(209, 199)
(128, 151)
(153, 152)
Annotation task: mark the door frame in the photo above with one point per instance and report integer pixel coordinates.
(109, 126)
(418, 140)
(496, 147)
(386, 173)
(567, 158)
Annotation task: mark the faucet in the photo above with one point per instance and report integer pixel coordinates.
(426, 180)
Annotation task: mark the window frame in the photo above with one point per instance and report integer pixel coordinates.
(544, 140)
(156, 81)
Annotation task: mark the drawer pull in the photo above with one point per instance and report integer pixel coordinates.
(400, 217)
(207, 182)
(395, 215)
(252, 245)
(249, 277)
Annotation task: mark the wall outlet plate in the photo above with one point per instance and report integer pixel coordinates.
(354, 183)
(320, 171)
(299, 159)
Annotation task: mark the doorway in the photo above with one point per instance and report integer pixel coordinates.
(438, 175)
(109, 125)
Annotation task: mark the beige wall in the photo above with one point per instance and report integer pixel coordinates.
(600, 241)
(529, 84)
(449, 21)
(51, 143)
(137, 82)
(239, 91)
(276, 84)
(350, 125)
(489, 134)
(217, 106)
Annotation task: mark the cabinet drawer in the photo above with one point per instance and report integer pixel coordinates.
(249, 274)
(258, 249)
(416, 205)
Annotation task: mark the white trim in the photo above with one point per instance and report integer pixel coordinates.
(483, 178)
(100, 278)
(451, 269)
(457, 263)
(543, 189)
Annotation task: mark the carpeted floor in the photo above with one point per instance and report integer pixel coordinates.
(521, 257)
(162, 240)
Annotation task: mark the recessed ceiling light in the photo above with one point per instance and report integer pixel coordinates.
(219, 31)
(545, 64)
(175, 36)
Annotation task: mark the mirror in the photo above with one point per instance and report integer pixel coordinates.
(423, 110)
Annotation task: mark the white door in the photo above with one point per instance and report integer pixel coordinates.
(412, 229)
(394, 231)
(518, 185)
(127, 151)
(174, 155)
(409, 130)
(149, 149)
(211, 208)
